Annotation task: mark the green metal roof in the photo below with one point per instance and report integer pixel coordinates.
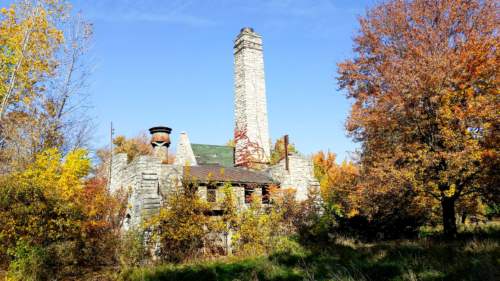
(213, 154)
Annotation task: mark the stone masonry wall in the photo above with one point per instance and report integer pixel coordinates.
(250, 92)
(147, 180)
(118, 165)
(300, 175)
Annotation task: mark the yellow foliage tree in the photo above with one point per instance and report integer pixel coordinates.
(53, 209)
(134, 147)
(41, 204)
(42, 71)
(338, 183)
(29, 40)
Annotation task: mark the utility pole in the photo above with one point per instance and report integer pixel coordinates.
(111, 133)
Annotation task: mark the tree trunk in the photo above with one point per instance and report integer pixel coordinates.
(449, 222)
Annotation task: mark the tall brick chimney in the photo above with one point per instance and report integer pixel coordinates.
(160, 140)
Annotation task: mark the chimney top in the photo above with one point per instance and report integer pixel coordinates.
(248, 29)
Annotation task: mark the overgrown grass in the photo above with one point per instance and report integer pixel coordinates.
(473, 256)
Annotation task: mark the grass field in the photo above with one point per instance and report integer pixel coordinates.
(475, 255)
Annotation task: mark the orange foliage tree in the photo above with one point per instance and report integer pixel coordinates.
(100, 230)
(424, 81)
(338, 183)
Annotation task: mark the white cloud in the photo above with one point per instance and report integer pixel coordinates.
(175, 12)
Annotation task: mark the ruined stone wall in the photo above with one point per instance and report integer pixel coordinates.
(300, 175)
(170, 179)
(147, 182)
(250, 93)
(118, 165)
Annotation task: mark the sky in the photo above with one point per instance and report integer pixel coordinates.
(171, 63)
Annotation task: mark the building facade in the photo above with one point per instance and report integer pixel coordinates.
(150, 178)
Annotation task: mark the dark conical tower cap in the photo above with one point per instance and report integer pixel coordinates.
(250, 29)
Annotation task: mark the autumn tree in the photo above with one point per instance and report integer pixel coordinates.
(133, 147)
(39, 206)
(278, 151)
(43, 74)
(29, 39)
(53, 207)
(284, 210)
(101, 227)
(424, 81)
(338, 183)
(229, 207)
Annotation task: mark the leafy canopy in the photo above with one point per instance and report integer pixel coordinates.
(424, 81)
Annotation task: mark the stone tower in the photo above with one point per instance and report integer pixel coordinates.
(250, 99)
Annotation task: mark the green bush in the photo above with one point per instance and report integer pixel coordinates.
(132, 250)
(492, 210)
(30, 263)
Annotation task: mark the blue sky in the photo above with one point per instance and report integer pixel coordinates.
(170, 63)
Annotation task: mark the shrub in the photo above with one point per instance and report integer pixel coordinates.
(132, 250)
(181, 225)
(254, 229)
(54, 209)
(30, 263)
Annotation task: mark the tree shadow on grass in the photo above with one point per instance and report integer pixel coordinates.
(470, 257)
(250, 269)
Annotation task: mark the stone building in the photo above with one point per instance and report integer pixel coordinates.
(149, 178)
